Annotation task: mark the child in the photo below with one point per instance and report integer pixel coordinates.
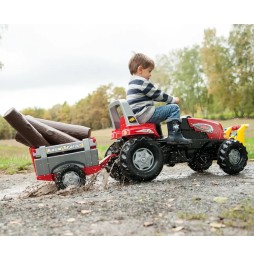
(141, 94)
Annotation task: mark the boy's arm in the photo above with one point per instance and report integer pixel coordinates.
(157, 95)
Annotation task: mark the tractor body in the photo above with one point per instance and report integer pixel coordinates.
(140, 152)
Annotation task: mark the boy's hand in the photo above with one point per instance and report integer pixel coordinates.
(176, 100)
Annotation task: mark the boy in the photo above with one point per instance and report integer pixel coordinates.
(141, 94)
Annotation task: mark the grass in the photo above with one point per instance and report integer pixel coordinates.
(250, 147)
(191, 216)
(103, 140)
(102, 150)
(239, 216)
(15, 157)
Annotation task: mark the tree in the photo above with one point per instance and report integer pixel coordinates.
(35, 112)
(241, 42)
(188, 81)
(117, 93)
(92, 111)
(164, 69)
(99, 115)
(65, 113)
(229, 67)
(80, 112)
(216, 62)
(181, 75)
(162, 76)
(6, 131)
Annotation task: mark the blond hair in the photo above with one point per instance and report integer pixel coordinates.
(140, 59)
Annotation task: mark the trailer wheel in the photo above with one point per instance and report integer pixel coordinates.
(232, 157)
(200, 162)
(113, 167)
(69, 175)
(141, 159)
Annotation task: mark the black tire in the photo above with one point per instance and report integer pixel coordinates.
(201, 162)
(113, 167)
(111, 150)
(69, 175)
(232, 157)
(141, 159)
(117, 174)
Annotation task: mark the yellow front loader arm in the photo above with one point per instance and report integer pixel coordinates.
(236, 132)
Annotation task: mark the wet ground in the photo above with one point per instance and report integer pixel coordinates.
(179, 202)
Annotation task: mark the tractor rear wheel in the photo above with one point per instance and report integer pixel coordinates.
(113, 167)
(232, 157)
(69, 175)
(141, 159)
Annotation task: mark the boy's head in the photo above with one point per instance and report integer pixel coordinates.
(141, 65)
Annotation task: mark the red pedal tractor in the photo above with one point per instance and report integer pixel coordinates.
(139, 152)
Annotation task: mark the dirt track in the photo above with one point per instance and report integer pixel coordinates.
(178, 202)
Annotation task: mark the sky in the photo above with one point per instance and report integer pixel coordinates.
(49, 64)
(61, 50)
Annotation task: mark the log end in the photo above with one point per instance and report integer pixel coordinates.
(9, 112)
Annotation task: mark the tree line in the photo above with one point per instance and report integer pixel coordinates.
(213, 80)
(91, 111)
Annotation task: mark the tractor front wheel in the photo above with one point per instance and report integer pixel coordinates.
(232, 157)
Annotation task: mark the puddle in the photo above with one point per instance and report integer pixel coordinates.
(12, 185)
(25, 186)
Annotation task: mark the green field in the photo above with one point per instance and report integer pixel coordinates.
(15, 157)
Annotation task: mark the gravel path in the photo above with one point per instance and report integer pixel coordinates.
(179, 202)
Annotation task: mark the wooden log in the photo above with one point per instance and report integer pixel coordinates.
(52, 135)
(77, 131)
(20, 124)
(19, 138)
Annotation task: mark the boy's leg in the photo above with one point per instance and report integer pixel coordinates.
(166, 112)
(171, 113)
(175, 134)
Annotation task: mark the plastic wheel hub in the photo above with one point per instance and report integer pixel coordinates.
(234, 156)
(71, 179)
(143, 159)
